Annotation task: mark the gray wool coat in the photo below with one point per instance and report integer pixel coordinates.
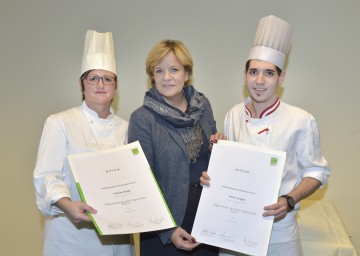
(165, 152)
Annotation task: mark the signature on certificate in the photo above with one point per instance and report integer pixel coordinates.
(250, 242)
(228, 236)
(206, 231)
(135, 224)
(156, 220)
(115, 225)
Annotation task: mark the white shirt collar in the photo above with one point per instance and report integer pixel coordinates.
(92, 113)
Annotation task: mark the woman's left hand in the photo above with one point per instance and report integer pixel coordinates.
(204, 179)
(214, 138)
(183, 240)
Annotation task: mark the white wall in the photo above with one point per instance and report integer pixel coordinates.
(40, 57)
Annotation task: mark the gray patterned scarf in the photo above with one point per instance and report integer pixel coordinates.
(187, 124)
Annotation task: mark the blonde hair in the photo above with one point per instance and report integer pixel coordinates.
(159, 51)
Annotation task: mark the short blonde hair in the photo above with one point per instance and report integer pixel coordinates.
(158, 52)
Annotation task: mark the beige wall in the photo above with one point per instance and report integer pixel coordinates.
(40, 57)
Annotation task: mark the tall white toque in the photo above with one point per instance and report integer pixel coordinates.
(272, 41)
(99, 52)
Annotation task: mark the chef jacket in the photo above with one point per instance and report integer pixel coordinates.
(73, 131)
(286, 128)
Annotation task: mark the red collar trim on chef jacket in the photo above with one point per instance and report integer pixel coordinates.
(247, 111)
(269, 110)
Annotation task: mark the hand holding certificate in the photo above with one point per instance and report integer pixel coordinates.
(119, 184)
(244, 179)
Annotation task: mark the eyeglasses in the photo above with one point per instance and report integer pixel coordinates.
(107, 80)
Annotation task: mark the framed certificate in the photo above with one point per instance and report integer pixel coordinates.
(120, 185)
(244, 179)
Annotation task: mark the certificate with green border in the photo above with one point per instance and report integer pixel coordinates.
(244, 179)
(120, 185)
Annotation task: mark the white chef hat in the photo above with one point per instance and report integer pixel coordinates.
(271, 41)
(99, 52)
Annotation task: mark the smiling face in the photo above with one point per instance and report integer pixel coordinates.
(262, 80)
(99, 93)
(170, 77)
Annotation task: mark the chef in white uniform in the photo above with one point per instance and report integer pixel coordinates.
(266, 121)
(92, 126)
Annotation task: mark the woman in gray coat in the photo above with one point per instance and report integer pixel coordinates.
(174, 126)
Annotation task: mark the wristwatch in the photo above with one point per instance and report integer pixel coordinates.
(290, 202)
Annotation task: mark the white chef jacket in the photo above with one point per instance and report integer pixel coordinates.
(74, 131)
(286, 128)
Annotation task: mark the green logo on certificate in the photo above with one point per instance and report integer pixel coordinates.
(273, 161)
(135, 151)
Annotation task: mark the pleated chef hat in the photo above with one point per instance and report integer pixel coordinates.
(99, 52)
(272, 41)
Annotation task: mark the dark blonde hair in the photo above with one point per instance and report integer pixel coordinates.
(159, 51)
